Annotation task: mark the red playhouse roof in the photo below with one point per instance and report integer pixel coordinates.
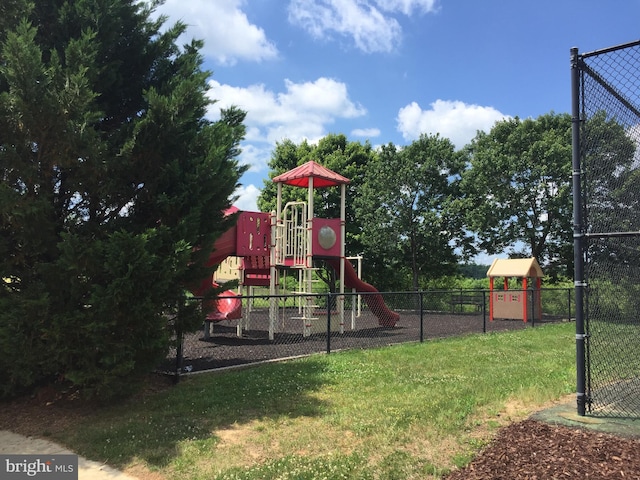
(322, 176)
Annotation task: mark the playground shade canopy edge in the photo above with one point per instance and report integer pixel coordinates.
(322, 176)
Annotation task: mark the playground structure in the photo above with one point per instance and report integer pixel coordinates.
(522, 304)
(263, 247)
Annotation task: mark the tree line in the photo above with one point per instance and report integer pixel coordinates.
(416, 212)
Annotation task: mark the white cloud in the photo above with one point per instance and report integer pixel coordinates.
(255, 157)
(224, 27)
(633, 132)
(484, 259)
(366, 132)
(408, 6)
(301, 112)
(247, 198)
(455, 120)
(369, 22)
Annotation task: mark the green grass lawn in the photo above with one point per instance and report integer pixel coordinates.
(410, 411)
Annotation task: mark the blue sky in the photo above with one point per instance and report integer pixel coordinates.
(389, 70)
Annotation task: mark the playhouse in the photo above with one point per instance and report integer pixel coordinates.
(522, 303)
(286, 241)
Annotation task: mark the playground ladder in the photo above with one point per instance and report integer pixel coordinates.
(308, 308)
(292, 236)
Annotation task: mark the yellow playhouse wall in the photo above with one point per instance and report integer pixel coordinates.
(229, 269)
(509, 304)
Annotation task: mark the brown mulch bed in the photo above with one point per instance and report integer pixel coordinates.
(535, 450)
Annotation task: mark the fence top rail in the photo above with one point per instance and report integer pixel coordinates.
(602, 51)
(456, 292)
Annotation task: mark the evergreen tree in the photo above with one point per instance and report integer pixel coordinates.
(113, 190)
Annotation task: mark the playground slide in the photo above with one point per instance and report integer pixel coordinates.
(224, 247)
(228, 307)
(386, 317)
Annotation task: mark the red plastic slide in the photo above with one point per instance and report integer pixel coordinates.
(386, 317)
(224, 247)
(228, 307)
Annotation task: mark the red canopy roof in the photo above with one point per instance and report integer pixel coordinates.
(322, 176)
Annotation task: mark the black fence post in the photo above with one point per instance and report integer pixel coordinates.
(179, 346)
(484, 312)
(533, 305)
(329, 305)
(421, 305)
(578, 234)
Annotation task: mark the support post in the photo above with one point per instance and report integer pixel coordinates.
(273, 273)
(491, 299)
(328, 301)
(421, 307)
(578, 234)
(525, 294)
(343, 209)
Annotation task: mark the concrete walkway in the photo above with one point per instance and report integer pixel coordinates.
(87, 470)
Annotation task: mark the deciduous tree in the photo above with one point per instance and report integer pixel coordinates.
(402, 209)
(348, 158)
(517, 190)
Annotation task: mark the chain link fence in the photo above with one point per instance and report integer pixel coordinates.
(274, 327)
(606, 181)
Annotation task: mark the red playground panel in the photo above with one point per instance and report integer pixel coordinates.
(254, 234)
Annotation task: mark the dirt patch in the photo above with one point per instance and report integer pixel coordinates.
(55, 408)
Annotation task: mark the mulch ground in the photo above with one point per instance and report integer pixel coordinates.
(224, 348)
(535, 450)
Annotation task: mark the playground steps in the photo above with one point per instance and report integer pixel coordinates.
(257, 278)
(307, 324)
